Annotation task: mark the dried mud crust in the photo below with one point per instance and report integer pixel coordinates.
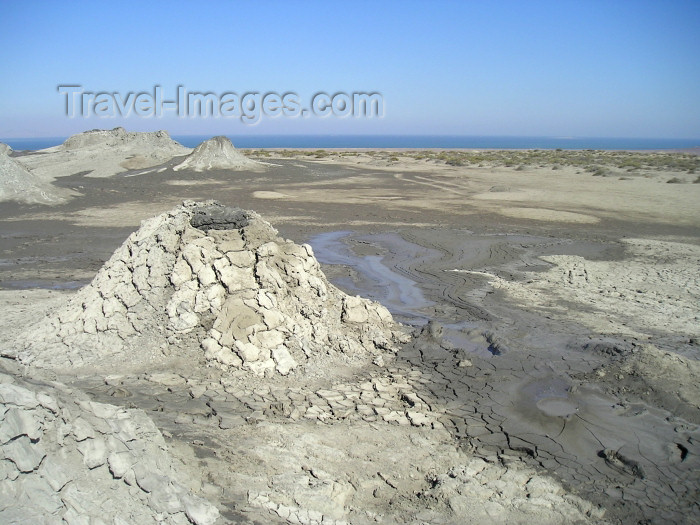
(299, 416)
(301, 441)
(335, 450)
(65, 457)
(611, 415)
(229, 292)
(632, 461)
(619, 451)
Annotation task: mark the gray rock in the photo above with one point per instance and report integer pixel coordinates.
(354, 310)
(120, 463)
(164, 498)
(8, 470)
(40, 495)
(147, 477)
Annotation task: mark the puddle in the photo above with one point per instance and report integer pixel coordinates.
(375, 279)
(376, 264)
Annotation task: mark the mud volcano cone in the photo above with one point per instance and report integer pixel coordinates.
(217, 153)
(205, 280)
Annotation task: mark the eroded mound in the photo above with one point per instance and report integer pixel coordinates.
(212, 281)
(217, 153)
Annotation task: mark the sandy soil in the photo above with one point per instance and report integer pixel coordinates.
(564, 341)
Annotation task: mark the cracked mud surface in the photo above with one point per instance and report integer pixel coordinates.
(556, 382)
(536, 398)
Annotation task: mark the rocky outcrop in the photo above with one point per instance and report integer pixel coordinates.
(217, 153)
(66, 459)
(212, 282)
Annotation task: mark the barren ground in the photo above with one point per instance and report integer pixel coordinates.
(564, 293)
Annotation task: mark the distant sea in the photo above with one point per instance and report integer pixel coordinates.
(405, 141)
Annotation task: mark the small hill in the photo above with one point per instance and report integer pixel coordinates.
(216, 286)
(217, 153)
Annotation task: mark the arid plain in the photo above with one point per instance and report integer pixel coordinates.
(547, 368)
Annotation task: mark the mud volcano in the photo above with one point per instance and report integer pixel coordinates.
(212, 282)
(217, 153)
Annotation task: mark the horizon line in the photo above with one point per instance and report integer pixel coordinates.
(556, 137)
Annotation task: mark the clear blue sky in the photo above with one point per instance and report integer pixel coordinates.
(551, 68)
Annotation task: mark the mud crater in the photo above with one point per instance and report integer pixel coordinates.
(216, 217)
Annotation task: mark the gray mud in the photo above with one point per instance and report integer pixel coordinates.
(372, 278)
(443, 431)
(519, 396)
